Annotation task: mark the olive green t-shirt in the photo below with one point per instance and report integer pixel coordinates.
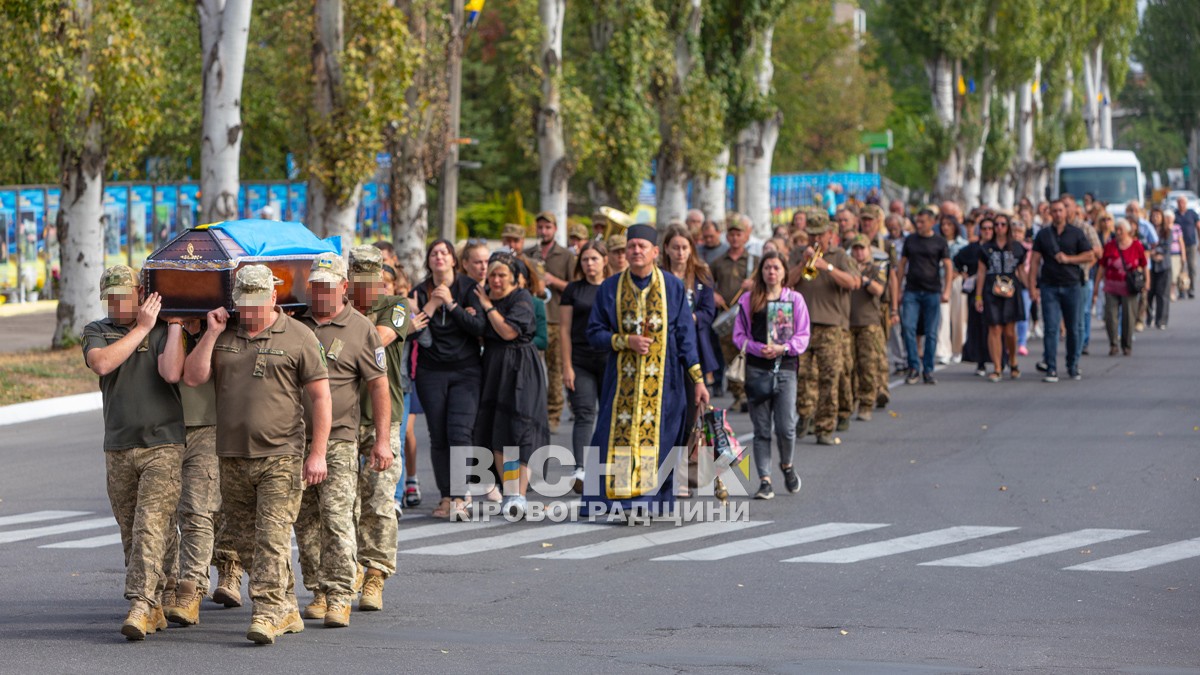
(354, 356)
(728, 274)
(199, 403)
(864, 307)
(391, 312)
(141, 410)
(260, 387)
(828, 303)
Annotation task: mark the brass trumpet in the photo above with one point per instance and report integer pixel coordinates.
(810, 269)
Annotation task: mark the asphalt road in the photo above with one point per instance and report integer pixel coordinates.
(1004, 487)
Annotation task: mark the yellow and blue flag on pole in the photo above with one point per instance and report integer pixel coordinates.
(474, 9)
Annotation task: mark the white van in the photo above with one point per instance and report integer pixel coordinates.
(1113, 176)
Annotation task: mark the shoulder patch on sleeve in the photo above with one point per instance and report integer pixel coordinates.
(380, 358)
(399, 314)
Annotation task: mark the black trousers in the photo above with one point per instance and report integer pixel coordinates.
(451, 402)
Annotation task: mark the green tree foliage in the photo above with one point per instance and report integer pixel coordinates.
(1167, 48)
(828, 91)
(65, 73)
(618, 46)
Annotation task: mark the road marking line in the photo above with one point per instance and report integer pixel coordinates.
(1147, 557)
(51, 530)
(914, 542)
(517, 538)
(36, 516)
(91, 542)
(772, 541)
(648, 540)
(440, 529)
(1036, 547)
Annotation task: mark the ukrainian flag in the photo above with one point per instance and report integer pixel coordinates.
(474, 9)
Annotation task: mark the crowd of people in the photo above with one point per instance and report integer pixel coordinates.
(223, 437)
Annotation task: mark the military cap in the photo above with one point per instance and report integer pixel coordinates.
(818, 223)
(513, 231)
(577, 231)
(873, 211)
(616, 242)
(860, 240)
(734, 221)
(118, 279)
(366, 261)
(547, 216)
(253, 285)
(329, 268)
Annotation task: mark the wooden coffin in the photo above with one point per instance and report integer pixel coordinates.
(194, 273)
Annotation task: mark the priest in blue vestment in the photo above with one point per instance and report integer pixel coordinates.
(642, 318)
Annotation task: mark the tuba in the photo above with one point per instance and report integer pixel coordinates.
(617, 221)
(810, 270)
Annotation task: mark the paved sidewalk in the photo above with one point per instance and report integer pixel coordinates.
(27, 325)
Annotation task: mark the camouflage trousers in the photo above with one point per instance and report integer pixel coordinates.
(820, 368)
(260, 498)
(325, 526)
(190, 550)
(884, 368)
(375, 509)
(143, 489)
(554, 381)
(846, 379)
(869, 356)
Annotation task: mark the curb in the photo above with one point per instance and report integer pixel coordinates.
(32, 411)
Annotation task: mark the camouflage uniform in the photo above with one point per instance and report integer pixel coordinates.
(143, 489)
(846, 380)
(199, 501)
(377, 526)
(325, 525)
(820, 370)
(869, 356)
(260, 498)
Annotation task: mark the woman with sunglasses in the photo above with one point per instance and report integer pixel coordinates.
(998, 284)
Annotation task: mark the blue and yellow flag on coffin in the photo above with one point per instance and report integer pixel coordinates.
(474, 9)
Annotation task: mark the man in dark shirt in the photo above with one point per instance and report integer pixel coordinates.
(925, 288)
(555, 264)
(1059, 252)
(139, 361)
(1189, 222)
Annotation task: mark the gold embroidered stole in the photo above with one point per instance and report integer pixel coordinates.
(633, 436)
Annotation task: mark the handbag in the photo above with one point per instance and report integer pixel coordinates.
(1003, 287)
(1135, 278)
(723, 324)
(727, 451)
(763, 387)
(735, 372)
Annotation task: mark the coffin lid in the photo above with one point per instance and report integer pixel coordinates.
(219, 246)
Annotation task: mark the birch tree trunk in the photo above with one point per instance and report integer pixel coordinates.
(332, 215)
(972, 189)
(552, 148)
(224, 30)
(948, 184)
(1106, 130)
(756, 150)
(81, 236)
(1025, 126)
(1093, 67)
(709, 191)
(670, 176)
(410, 220)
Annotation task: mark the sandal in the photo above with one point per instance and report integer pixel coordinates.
(1014, 372)
(458, 511)
(443, 508)
(493, 495)
(993, 377)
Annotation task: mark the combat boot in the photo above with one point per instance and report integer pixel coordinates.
(864, 414)
(338, 613)
(229, 584)
(168, 594)
(803, 427)
(157, 618)
(317, 608)
(186, 609)
(843, 424)
(264, 630)
(372, 592)
(140, 621)
(825, 438)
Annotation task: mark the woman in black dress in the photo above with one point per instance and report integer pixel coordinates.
(512, 405)
(966, 263)
(583, 367)
(1002, 267)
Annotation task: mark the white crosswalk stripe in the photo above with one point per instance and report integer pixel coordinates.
(914, 542)
(803, 535)
(90, 542)
(1036, 547)
(637, 542)
(1147, 557)
(38, 516)
(523, 536)
(51, 530)
(439, 529)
